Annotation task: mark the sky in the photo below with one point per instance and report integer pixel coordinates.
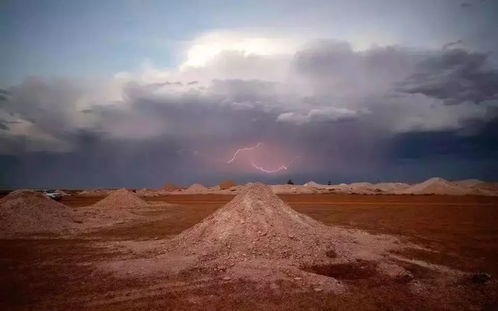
(143, 93)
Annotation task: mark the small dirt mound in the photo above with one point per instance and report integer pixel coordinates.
(436, 185)
(313, 184)
(27, 211)
(171, 187)
(196, 188)
(121, 198)
(227, 184)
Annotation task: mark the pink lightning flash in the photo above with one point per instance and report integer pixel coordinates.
(241, 150)
(282, 167)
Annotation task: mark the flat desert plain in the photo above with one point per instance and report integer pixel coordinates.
(49, 272)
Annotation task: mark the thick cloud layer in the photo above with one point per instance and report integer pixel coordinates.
(382, 113)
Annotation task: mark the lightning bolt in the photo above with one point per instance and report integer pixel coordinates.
(242, 150)
(280, 168)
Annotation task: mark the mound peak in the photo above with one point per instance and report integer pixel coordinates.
(258, 224)
(121, 198)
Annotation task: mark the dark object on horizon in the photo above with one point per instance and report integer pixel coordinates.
(329, 183)
(289, 182)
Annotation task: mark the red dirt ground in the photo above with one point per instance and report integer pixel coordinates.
(52, 273)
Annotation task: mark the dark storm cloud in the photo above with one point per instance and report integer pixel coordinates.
(3, 95)
(47, 103)
(455, 76)
(346, 116)
(465, 5)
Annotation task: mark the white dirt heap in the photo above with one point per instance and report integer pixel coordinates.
(28, 211)
(436, 185)
(257, 224)
(196, 188)
(121, 198)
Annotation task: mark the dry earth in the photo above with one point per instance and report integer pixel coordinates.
(456, 236)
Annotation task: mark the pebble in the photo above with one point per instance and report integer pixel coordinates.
(227, 278)
(317, 289)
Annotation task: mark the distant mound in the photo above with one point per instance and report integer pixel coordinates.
(436, 185)
(27, 211)
(312, 184)
(121, 198)
(195, 188)
(227, 184)
(171, 187)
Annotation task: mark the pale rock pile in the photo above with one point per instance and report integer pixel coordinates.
(436, 185)
(196, 188)
(313, 184)
(257, 237)
(257, 225)
(121, 198)
(28, 212)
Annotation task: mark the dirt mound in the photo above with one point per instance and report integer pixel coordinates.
(27, 211)
(436, 185)
(257, 237)
(196, 188)
(313, 184)
(227, 184)
(257, 224)
(171, 187)
(121, 198)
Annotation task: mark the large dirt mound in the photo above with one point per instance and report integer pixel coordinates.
(436, 185)
(121, 198)
(258, 224)
(27, 211)
(257, 237)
